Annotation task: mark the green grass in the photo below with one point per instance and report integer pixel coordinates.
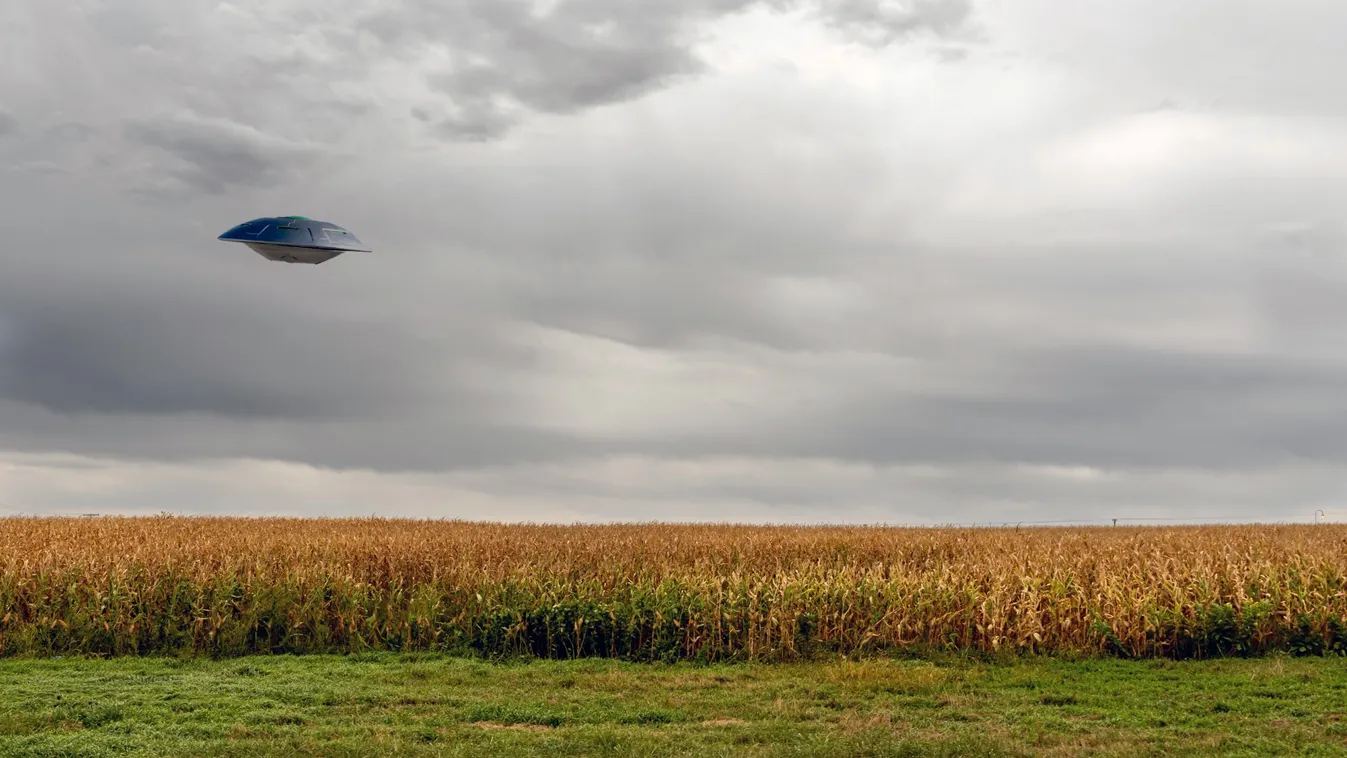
(418, 704)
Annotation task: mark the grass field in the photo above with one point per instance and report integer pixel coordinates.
(225, 587)
(431, 705)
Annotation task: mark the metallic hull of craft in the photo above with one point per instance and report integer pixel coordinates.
(295, 239)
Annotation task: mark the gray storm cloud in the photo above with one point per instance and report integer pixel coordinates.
(884, 23)
(161, 354)
(215, 156)
(511, 56)
(623, 255)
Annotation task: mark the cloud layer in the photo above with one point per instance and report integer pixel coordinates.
(911, 261)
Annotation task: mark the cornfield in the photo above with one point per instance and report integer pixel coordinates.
(223, 586)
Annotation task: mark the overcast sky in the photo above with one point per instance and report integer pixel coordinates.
(921, 261)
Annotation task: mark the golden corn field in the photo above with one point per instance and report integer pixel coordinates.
(223, 586)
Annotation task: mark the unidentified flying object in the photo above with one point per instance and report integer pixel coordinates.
(295, 239)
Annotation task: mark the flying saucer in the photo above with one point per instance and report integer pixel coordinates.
(295, 239)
